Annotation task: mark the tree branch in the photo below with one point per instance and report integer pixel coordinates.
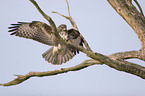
(22, 78)
(129, 67)
(132, 16)
(116, 61)
(73, 25)
(139, 7)
(121, 65)
(127, 55)
(51, 22)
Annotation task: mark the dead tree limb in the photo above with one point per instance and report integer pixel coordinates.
(117, 60)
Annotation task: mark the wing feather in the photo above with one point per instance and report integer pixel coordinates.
(35, 30)
(75, 39)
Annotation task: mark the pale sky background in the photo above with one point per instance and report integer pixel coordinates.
(105, 31)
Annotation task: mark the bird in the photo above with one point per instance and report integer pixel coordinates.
(41, 32)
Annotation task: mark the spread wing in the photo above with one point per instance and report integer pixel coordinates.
(35, 30)
(75, 39)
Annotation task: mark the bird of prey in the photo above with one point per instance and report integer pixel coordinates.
(41, 32)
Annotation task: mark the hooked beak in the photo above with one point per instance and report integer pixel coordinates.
(64, 29)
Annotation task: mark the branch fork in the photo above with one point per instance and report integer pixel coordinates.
(116, 60)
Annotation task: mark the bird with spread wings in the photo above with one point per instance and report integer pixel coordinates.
(41, 32)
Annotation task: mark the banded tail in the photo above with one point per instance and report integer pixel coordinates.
(59, 57)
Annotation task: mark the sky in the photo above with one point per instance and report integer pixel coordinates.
(105, 31)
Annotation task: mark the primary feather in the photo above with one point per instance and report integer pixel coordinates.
(36, 30)
(42, 33)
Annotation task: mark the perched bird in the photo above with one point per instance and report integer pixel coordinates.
(41, 32)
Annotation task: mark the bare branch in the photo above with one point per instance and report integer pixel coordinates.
(73, 25)
(127, 55)
(139, 6)
(119, 64)
(51, 22)
(22, 78)
(68, 8)
(116, 61)
(131, 15)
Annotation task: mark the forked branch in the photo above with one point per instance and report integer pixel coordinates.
(116, 60)
(120, 65)
(73, 23)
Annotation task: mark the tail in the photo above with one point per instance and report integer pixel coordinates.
(58, 58)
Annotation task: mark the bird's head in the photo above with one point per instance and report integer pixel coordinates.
(62, 29)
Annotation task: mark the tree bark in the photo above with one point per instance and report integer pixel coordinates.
(131, 15)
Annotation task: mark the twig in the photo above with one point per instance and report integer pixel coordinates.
(69, 18)
(73, 24)
(68, 8)
(139, 7)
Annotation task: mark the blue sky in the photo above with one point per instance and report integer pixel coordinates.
(105, 31)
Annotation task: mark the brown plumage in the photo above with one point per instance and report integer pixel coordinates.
(42, 33)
